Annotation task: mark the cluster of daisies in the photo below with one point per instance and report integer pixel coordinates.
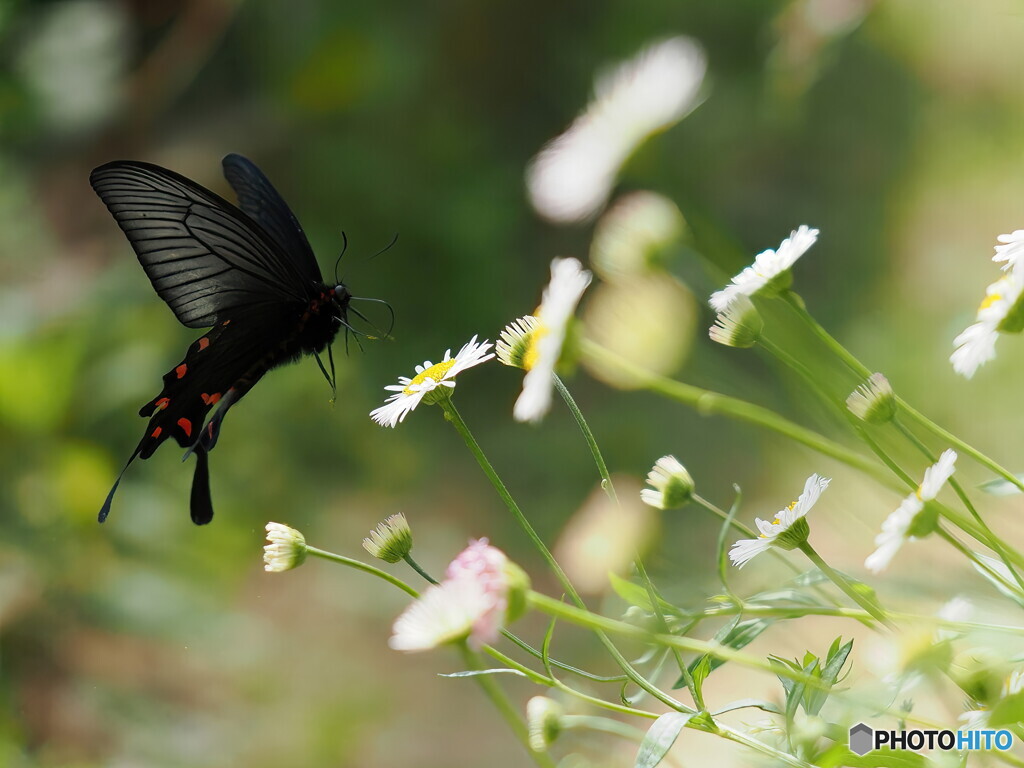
(533, 343)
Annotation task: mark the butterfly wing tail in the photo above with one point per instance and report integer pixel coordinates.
(105, 509)
(201, 505)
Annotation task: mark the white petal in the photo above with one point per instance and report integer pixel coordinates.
(936, 475)
(745, 550)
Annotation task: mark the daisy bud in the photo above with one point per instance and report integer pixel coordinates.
(738, 325)
(286, 548)
(873, 401)
(391, 540)
(543, 721)
(671, 484)
(504, 583)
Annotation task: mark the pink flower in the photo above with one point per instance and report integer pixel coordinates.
(472, 602)
(486, 565)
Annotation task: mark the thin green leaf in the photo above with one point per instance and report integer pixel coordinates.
(767, 706)
(478, 672)
(723, 558)
(736, 634)
(814, 700)
(1001, 486)
(659, 739)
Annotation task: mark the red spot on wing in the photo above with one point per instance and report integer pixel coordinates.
(210, 399)
(156, 432)
(162, 403)
(186, 426)
(181, 370)
(203, 343)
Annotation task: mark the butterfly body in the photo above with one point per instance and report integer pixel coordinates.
(248, 273)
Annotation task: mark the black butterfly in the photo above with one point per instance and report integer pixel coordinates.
(250, 274)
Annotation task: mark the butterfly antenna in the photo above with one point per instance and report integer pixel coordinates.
(386, 248)
(344, 247)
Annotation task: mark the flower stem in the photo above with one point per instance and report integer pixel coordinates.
(504, 706)
(844, 585)
(707, 403)
(798, 306)
(361, 566)
(602, 468)
(416, 567)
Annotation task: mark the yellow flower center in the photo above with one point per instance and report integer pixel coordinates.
(436, 372)
(532, 351)
(776, 521)
(989, 300)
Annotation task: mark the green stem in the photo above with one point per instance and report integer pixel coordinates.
(595, 451)
(361, 566)
(844, 585)
(416, 567)
(794, 301)
(452, 414)
(707, 403)
(504, 706)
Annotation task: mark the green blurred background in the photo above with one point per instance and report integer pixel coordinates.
(897, 128)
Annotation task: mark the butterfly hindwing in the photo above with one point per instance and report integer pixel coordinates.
(260, 201)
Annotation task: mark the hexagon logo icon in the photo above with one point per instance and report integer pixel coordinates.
(862, 739)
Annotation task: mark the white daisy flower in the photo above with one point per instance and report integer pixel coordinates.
(429, 376)
(873, 401)
(738, 325)
(1011, 250)
(770, 271)
(1001, 311)
(444, 613)
(535, 343)
(571, 178)
(788, 530)
(285, 548)
(907, 522)
(671, 485)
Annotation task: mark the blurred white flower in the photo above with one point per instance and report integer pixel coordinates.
(739, 325)
(873, 401)
(444, 613)
(571, 178)
(429, 376)
(74, 62)
(634, 235)
(787, 530)
(770, 271)
(907, 522)
(543, 722)
(605, 537)
(285, 548)
(1011, 249)
(1001, 311)
(535, 343)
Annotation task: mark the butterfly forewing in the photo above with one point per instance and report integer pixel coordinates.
(204, 257)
